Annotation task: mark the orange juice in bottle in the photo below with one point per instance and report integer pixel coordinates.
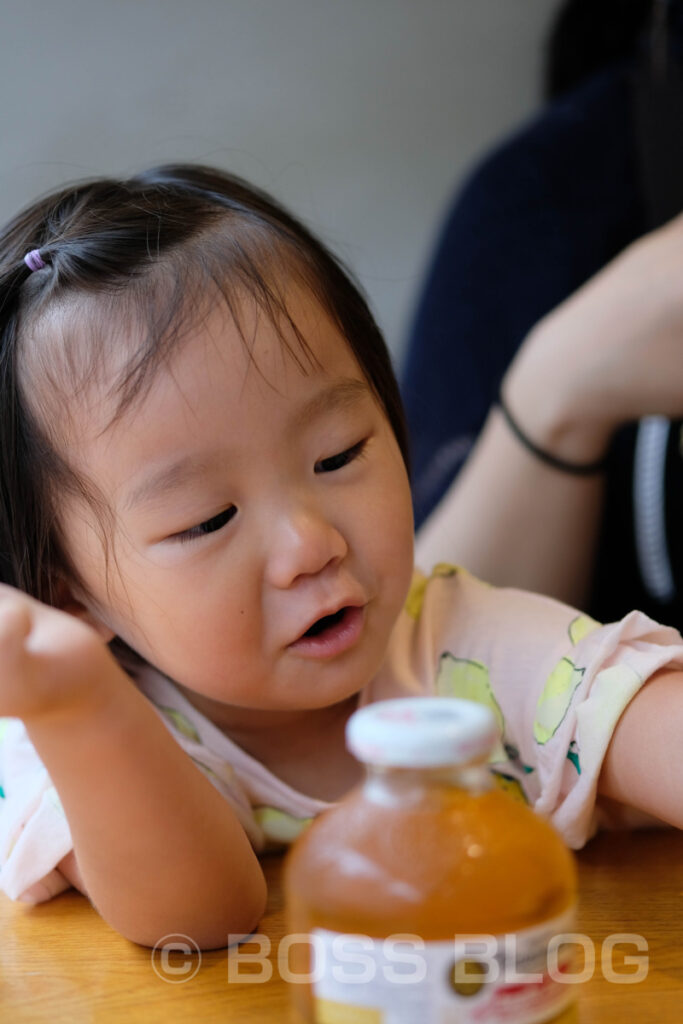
(428, 895)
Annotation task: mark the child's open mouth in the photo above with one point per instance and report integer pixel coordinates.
(325, 623)
(331, 634)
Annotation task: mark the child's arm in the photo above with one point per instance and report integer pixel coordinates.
(158, 849)
(643, 767)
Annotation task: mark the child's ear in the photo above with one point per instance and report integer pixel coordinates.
(66, 601)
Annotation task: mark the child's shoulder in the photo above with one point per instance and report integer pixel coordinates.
(449, 604)
(423, 583)
(446, 587)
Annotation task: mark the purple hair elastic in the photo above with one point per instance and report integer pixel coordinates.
(33, 260)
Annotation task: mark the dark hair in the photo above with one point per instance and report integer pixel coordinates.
(588, 35)
(137, 250)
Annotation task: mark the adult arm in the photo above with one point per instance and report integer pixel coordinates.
(514, 521)
(501, 264)
(538, 217)
(609, 354)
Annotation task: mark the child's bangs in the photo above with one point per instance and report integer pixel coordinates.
(233, 269)
(120, 334)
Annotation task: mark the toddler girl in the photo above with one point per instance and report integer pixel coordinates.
(206, 540)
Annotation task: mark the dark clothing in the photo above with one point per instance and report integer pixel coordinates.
(540, 216)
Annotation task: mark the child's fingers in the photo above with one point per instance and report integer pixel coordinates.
(15, 624)
(48, 659)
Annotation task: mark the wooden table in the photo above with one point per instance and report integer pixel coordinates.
(60, 963)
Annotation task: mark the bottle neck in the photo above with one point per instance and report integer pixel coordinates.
(389, 785)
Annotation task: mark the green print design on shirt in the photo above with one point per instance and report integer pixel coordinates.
(580, 627)
(510, 785)
(469, 680)
(416, 594)
(181, 723)
(279, 827)
(573, 755)
(554, 702)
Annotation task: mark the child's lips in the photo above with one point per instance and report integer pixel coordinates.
(342, 633)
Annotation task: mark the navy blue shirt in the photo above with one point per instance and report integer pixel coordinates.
(542, 214)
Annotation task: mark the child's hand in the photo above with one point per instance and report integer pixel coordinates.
(51, 661)
(157, 848)
(612, 353)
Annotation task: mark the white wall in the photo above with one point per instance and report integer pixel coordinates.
(360, 115)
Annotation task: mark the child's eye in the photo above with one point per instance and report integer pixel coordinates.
(208, 526)
(342, 459)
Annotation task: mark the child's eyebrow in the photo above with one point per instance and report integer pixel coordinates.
(343, 394)
(169, 478)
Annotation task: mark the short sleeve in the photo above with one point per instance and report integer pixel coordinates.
(556, 680)
(186, 729)
(272, 813)
(34, 832)
(579, 707)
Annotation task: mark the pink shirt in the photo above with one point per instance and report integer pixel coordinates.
(556, 681)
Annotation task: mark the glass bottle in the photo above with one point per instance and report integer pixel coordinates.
(428, 894)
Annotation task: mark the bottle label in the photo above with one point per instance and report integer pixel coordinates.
(524, 977)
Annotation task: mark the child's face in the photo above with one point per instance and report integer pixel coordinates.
(297, 499)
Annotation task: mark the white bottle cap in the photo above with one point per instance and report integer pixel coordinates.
(421, 731)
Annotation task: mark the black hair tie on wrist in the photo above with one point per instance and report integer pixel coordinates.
(577, 469)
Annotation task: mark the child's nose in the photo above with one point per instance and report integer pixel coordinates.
(304, 543)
